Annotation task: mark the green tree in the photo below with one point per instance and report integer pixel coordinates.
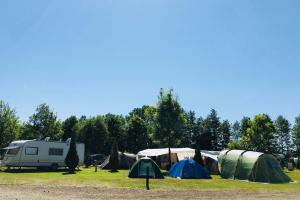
(245, 125)
(72, 159)
(190, 130)
(43, 123)
(94, 134)
(296, 135)
(211, 130)
(224, 135)
(137, 138)
(69, 127)
(283, 130)
(198, 157)
(114, 157)
(116, 130)
(170, 121)
(148, 115)
(9, 124)
(236, 131)
(262, 134)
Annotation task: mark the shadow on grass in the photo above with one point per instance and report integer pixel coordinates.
(36, 170)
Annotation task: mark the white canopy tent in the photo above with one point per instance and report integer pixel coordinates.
(182, 153)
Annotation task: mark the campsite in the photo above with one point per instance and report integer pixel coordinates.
(87, 184)
(149, 99)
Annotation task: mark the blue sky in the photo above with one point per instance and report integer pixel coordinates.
(89, 57)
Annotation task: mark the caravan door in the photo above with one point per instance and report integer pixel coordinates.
(30, 156)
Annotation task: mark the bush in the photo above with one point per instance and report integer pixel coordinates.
(114, 157)
(198, 157)
(72, 159)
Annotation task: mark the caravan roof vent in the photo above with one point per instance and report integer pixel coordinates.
(47, 139)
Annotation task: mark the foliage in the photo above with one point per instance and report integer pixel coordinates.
(245, 125)
(283, 128)
(211, 131)
(236, 131)
(72, 159)
(116, 130)
(191, 129)
(43, 123)
(170, 121)
(94, 134)
(224, 135)
(114, 157)
(9, 124)
(137, 137)
(262, 134)
(296, 135)
(198, 157)
(69, 127)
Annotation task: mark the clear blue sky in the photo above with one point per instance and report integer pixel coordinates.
(89, 57)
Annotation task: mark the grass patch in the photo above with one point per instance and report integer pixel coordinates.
(87, 177)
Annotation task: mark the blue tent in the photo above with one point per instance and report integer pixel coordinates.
(189, 169)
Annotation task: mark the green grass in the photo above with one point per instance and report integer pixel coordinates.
(87, 177)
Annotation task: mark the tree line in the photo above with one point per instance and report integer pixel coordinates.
(166, 124)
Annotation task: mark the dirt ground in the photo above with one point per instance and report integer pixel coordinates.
(21, 192)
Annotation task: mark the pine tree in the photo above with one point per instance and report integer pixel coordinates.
(198, 157)
(114, 157)
(72, 159)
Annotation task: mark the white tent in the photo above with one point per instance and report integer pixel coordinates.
(210, 154)
(182, 153)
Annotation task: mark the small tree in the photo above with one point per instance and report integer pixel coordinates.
(198, 157)
(114, 157)
(72, 159)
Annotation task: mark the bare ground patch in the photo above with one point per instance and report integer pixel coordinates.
(33, 192)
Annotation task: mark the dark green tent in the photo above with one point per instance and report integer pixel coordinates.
(252, 166)
(139, 169)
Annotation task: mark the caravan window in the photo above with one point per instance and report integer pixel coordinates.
(13, 151)
(56, 152)
(31, 151)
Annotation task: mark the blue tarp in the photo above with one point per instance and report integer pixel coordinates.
(189, 169)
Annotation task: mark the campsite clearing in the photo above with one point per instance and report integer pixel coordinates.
(83, 185)
(103, 178)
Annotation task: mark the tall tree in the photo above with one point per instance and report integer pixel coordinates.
(262, 134)
(224, 135)
(137, 138)
(116, 130)
(211, 130)
(170, 120)
(245, 125)
(9, 124)
(114, 157)
(283, 130)
(236, 131)
(69, 127)
(148, 115)
(190, 130)
(296, 135)
(72, 159)
(43, 123)
(94, 134)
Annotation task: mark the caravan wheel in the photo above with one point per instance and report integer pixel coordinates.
(54, 167)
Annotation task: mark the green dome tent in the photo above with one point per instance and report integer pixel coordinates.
(139, 169)
(252, 166)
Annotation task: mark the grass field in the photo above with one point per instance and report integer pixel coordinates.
(87, 177)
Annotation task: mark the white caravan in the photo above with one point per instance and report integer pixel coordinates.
(39, 153)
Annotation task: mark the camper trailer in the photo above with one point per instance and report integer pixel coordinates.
(39, 153)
